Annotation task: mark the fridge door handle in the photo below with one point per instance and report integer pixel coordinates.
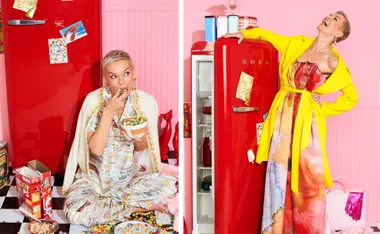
(242, 109)
(21, 22)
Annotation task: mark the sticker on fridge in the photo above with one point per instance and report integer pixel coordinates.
(57, 51)
(73, 32)
(251, 156)
(259, 130)
(28, 6)
(243, 91)
(265, 116)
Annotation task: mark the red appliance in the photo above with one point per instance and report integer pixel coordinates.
(239, 184)
(44, 99)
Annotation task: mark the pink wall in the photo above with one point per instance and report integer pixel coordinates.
(148, 30)
(353, 138)
(4, 130)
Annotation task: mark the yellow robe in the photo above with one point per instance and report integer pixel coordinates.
(291, 48)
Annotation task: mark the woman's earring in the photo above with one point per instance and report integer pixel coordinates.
(334, 40)
(134, 85)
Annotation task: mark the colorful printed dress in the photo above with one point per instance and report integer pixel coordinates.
(117, 183)
(284, 211)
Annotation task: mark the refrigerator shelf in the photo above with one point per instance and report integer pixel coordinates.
(206, 125)
(205, 121)
(203, 192)
(206, 98)
(205, 219)
(204, 95)
(204, 168)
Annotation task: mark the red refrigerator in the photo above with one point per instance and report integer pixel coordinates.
(239, 183)
(45, 93)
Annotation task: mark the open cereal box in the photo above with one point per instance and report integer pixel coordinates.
(33, 184)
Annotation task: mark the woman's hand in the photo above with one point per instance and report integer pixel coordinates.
(316, 98)
(141, 143)
(116, 103)
(97, 141)
(238, 35)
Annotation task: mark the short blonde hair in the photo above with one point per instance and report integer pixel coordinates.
(346, 28)
(114, 56)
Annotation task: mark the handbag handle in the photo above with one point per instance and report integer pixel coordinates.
(339, 182)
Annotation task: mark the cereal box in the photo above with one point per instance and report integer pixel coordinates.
(33, 184)
(4, 161)
(28, 190)
(45, 186)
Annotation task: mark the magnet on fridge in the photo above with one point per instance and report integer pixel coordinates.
(251, 156)
(57, 51)
(59, 23)
(265, 116)
(259, 130)
(73, 32)
(210, 28)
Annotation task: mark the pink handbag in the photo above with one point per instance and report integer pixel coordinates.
(345, 209)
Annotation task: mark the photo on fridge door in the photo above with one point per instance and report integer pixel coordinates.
(262, 82)
(99, 110)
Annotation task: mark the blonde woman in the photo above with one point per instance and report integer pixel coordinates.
(117, 176)
(294, 135)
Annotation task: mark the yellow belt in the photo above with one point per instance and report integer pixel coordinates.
(301, 134)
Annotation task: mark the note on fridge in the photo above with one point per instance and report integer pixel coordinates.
(244, 88)
(25, 5)
(222, 25)
(28, 6)
(233, 23)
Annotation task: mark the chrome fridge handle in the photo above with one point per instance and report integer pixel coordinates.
(242, 109)
(21, 22)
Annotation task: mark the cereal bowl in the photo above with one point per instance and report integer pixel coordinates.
(134, 227)
(135, 127)
(46, 227)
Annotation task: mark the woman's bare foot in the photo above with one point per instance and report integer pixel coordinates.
(138, 209)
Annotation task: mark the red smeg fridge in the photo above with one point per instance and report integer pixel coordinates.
(239, 183)
(44, 95)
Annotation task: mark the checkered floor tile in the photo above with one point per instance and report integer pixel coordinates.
(12, 221)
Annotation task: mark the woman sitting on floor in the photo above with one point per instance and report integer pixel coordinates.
(117, 176)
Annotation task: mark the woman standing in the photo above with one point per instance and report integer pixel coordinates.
(294, 135)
